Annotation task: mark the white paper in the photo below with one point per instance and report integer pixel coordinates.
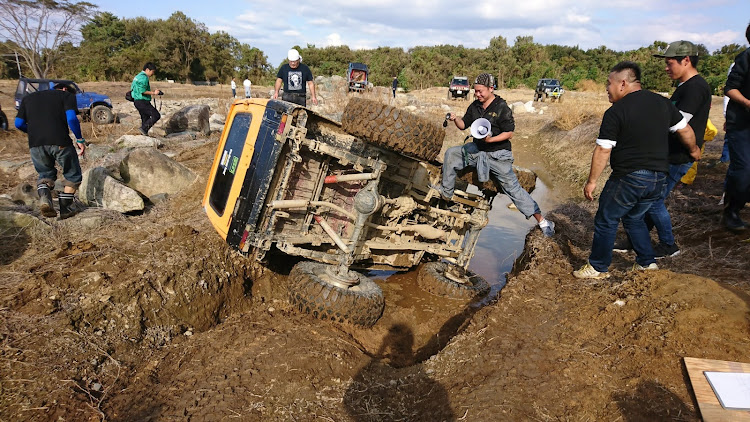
(731, 388)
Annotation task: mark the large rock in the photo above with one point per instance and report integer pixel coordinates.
(99, 189)
(193, 117)
(150, 172)
(25, 194)
(138, 141)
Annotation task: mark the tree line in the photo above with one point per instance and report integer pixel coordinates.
(114, 49)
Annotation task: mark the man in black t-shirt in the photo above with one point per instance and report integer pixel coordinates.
(295, 76)
(491, 154)
(737, 137)
(693, 98)
(633, 137)
(45, 116)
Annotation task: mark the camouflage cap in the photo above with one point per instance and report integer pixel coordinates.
(679, 49)
(485, 79)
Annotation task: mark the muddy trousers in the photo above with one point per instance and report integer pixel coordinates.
(500, 169)
(149, 115)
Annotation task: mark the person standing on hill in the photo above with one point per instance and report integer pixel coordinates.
(141, 92)
(46, 116)
(247, 85)
(295, 76)
(395, 85)
(634, 138)
(234, 88)
(693, 98)
(737, 89)
(492, 154)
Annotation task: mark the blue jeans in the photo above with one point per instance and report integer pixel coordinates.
(738, 173)
(627, 199)
(725, 151)
(44, 158)
(658, 216)
(501, 170)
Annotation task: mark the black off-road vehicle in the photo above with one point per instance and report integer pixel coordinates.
(548, 88)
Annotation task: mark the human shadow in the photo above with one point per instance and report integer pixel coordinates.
(386, 389)
(652, 401)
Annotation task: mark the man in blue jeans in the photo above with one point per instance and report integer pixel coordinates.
(737, 137)
(491, 155)
(633, 137)
(45, 116)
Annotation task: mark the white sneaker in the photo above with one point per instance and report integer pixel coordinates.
(587, 271)
(721, 201)
(649, 267)
(548, 227)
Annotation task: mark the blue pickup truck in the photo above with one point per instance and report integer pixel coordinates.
(93, 106)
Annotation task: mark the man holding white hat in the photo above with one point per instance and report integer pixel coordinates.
(295, 77)
(492, 126)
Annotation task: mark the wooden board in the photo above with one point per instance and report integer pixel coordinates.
(711, 409)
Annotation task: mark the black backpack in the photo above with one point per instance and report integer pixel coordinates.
(129, 96)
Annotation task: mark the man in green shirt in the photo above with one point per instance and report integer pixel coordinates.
(141, 92)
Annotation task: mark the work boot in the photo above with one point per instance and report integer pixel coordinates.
(732, 221)
(45, 200)
(66, 205)
(662, 250)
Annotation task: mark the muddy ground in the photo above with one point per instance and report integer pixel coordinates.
(151, 316)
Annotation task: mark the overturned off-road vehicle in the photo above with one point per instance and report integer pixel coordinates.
(345, 196)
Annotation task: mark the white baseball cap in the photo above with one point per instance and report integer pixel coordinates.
(293, 55)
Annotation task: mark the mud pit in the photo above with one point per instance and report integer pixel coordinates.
(151, 317)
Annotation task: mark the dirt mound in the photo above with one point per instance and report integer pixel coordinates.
(151, 317)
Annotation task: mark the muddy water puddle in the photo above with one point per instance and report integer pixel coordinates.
(429, 321)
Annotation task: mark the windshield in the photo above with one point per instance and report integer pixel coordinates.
(457, 81)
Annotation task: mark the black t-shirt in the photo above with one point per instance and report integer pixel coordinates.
(295, 80)
(44, 112)
(692, 96)
(500, 117)
(639, 123)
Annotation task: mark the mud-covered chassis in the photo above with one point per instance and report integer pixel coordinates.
(358, 196)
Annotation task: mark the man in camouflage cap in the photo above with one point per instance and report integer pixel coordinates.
(491, 154)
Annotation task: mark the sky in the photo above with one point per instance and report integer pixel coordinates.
(274, 26)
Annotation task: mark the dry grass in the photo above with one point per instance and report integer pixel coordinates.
(577, 109)
(587, 85)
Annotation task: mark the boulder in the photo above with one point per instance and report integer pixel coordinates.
(150, 172)
(10, 219)
(99, 189)
(25, 194)
(138, 141)
(193, 117)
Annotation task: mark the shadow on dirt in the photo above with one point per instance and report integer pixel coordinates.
(379, 392)
(652, 402)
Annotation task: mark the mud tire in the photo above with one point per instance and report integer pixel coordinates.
(102, 115)
(310, 293)
(3, 121)
(432, 278)
(393, 129)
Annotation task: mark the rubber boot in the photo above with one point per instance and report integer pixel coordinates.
(45, 200)
(731, 215)
(66, 205)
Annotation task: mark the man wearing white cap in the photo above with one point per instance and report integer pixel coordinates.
(295, 77)
(490, 151)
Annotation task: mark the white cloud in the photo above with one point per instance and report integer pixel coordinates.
(333, 40)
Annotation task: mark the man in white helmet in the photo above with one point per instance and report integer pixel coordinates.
(296, 78)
